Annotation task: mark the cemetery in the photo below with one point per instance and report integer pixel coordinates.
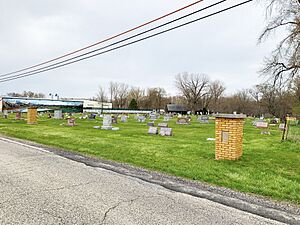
(187, 146)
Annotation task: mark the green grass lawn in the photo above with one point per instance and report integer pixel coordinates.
(268, 167)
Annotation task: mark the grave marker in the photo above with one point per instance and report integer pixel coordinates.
(58, 114)
(141, 119)
(71, 122)
(32, 116)
(114, 119)
(153, 117)
(263, 126)
(107, 121)
(153, 130)
(166, 118)
(162, 125)
(150, 124)
(203, 119)
(165, 131)
(281, 127)
(123, 119)
(182, 121)
(18, 116)
(5, 114)
(229, 136)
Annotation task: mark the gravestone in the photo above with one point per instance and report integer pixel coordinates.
(32, 115)
(153, 117)
(281, 126)
(150, 124)
(18, 116)
(166, 118)
(58, 114)
(203, 119)
(263, 126)
(153, 130)
(162, 125)
(182, 121)
(165, 131)
(273, 122)
(123, 119)
(71, 122)
(107, 121)
(92, 116)
(141, 119)
(5, 114)
(114, 119)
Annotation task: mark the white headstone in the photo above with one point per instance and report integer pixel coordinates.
(165, 131)
(58, 114)
(123, 119)
(153, 130)
(107, 121)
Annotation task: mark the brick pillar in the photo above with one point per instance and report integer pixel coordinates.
(31, 116)
(229, 136)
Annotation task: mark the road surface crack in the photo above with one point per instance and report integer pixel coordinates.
(69, 187)
(55, 216)
(116, 206)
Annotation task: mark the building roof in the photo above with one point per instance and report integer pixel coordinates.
(176, 108)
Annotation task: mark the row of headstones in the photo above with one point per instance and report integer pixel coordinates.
(164, 131)
(264, 126)
(180, 120)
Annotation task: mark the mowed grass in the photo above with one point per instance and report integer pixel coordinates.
(269, 167)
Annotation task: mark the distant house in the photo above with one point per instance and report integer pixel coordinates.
(174, 108)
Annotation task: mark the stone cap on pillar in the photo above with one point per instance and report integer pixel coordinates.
(230, 116)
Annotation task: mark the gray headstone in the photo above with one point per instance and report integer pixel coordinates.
(150, 124)
(261, 124)
(165, 131)
(281, 126)
(141, 119)
(58, 114)
(203, 119)
(153, 130)
(162, 125)
(114, 119)
(182, 121)
(153, 117)
(123, 119)
(107, 121)
(5, 114)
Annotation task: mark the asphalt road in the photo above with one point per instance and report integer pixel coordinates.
(39, 187)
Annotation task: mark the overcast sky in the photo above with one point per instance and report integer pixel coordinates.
(224, 46)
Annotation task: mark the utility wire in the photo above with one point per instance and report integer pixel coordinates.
(107, 39)
(115, 43)
(130, 43)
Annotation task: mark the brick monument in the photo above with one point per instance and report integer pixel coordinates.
(229, 136)
(32, 116)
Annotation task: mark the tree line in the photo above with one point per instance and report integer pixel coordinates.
(197, 92)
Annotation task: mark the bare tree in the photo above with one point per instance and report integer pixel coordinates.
(216, 90)
(137, 94)
(118, 94)
(193, 87)
(113, 86)
(101, 96)
(284, 63)
(122, 93)
(156, 98)
(28, 94)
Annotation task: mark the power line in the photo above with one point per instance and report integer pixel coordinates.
(115, 43)
(107, 39)
(130, 43)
